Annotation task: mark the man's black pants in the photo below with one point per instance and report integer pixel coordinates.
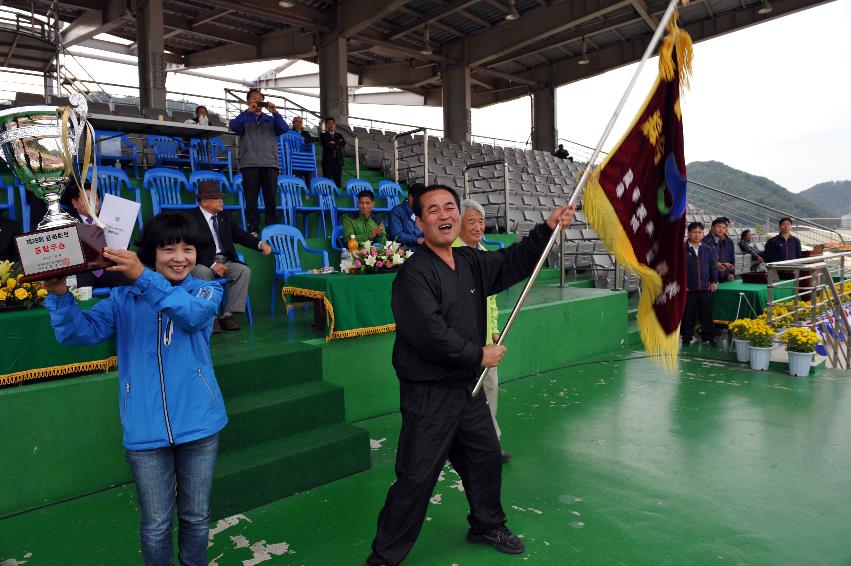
(334, 171)
(698, 303)
(438, 423)
(253, 179)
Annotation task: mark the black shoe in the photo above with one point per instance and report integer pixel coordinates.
(217, 327)
(505, 457)
(501, 539)
(710, 342)
(230, 323)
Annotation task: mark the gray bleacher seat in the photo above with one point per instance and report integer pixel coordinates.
(128, 110)
(589, 234)
(373, 158)
(155, 113)
(99, 108)
(584, 250)
(181, 116)
(28, 99)
(604, 271)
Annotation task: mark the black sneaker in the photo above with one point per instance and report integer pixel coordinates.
(710, 342)
(501, 539)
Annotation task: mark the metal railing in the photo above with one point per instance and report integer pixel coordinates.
(409, 168)
(764, 219)
(505, 184)
(820, 299)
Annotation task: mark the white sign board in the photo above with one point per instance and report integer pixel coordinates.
(49, 250)
(119, 215)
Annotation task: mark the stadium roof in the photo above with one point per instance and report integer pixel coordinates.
(508, 57)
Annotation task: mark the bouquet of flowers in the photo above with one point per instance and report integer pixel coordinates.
(801, 340)
(373, 259)
(15, 294)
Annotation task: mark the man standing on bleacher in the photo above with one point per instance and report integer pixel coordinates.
(217, 257)
(258, 156)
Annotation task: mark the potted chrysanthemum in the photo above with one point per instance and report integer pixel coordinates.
(761, 339)
(739, 328)
(801, 347)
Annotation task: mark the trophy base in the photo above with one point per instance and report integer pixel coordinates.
(59, 252)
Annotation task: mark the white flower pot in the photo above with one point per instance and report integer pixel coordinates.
(759, 357)
(742, 353)
(799, 363)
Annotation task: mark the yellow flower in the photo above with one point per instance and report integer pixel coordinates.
(26, 285)
(42, 293)
(21, 294)
(11, 283)
(2, 295)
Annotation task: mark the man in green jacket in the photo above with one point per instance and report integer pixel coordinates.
(472, 232)
(364, 225)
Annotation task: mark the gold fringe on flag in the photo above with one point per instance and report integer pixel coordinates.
(53, 371)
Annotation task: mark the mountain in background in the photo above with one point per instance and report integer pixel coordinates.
(758, 189)
(834, 196)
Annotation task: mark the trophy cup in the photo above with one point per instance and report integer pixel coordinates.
(38, 143)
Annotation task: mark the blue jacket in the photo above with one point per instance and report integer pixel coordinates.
(724, 252)
(701, 267)
(401, 225)
(168, 392)
(258, 138)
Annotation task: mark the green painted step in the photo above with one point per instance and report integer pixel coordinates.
(260, 473)
(262, 369)
(264, 415)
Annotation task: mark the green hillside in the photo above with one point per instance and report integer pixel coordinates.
(758, 189)
(834, 196)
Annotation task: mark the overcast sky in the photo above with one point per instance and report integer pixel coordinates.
(773, 99)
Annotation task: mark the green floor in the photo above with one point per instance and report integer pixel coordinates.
(614, 462)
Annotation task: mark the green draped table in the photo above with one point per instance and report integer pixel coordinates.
(30, 351)
(754, 298)
(355, 305)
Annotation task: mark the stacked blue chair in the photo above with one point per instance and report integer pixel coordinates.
(106, 154)
(283, 156)
(210, 153)
(300, 158)
(325, 192)
(285, 242)
(112, 181)
(219, 178)
(169, 151)
(392, 193)
(292, 191)
(168, 188)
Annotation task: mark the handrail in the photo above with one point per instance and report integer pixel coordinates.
(481, 164)
(766, 207)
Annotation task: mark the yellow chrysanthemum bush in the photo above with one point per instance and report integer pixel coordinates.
(13, 295)
(800, 340)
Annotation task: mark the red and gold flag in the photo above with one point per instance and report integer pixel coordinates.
(636, 200)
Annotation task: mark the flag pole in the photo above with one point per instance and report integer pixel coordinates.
(580, 186)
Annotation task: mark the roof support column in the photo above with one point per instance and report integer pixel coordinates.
(544, 132)
(456, 103)
(149, 37)
(333, 80)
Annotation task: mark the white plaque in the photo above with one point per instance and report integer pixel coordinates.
(119, 215)
(49, 250)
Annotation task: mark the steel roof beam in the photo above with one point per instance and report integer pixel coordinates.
(288, 44)
(93, 22)
(423, 20)
(355, 16)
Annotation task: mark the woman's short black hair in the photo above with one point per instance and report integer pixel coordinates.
(366, 193)
(165, 229)
(418, 198)
(745, 232)
(694, 225)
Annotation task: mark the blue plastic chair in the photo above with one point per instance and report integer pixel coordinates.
(337, 238)
(167, 187)
(298, 156)
(127, 153)
(499, 245)
(25, 207)
(292, 191)
(196, 177)
(112, 180)
(9, 205)
(392, 193)
(326, 193)
(285, 242)
(168, 151)
(210, 153)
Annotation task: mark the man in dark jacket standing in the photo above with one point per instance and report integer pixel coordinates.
(783, 246)
(332, 152)
(258, 156)
(701, 283)
(217, 257)
(722, 245)
(439, 304)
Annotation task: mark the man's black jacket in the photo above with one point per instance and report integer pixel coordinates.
(440, 313)
(229, 232)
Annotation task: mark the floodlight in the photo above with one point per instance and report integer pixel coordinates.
(512, 14)
(765, 8)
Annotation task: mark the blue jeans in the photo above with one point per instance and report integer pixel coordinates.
(189, 468)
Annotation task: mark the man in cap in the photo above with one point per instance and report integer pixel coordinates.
(218, 258)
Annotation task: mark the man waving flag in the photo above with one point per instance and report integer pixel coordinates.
(636, 200)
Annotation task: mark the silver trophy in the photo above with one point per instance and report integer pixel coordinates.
(39, 144)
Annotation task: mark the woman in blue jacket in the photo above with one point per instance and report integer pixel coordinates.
(169, 401)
